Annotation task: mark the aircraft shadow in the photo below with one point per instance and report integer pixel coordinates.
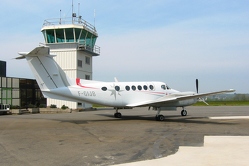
(171, 118)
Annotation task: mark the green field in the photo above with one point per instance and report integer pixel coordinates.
(223, 103)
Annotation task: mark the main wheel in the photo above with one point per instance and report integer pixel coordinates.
(184, 113)
(118, 115)
(160, 118)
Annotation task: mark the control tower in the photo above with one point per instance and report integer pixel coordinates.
(73, 41)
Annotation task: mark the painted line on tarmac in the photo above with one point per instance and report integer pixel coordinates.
(230, 117)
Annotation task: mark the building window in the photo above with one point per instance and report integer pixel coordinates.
(87, 77)
(88, 60)
(79, 63)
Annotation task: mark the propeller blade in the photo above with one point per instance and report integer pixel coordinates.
(196, 84)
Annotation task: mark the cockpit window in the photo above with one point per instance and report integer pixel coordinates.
(163, 87)
(167, 87)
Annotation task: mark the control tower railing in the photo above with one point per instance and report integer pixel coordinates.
(83, 46)
(71, 20)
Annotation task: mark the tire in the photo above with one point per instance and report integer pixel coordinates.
(184, 113)
(118, 115)
(160, 118)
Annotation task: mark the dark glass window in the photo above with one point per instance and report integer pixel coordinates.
(133, 87)
(69, 35)
(88, 60)
(79, 63)
(104, 88)
(117, 88)
(87, 77)
(163, 87)
(139, 87)
(145, 87)
(60, 35)
(127, 88)
(151, 87)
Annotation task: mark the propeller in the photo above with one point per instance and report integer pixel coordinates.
(197, 85)
(197, 89)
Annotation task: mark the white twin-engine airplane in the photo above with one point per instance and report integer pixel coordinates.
(54, 83)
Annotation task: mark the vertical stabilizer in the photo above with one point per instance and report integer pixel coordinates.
(47, 72)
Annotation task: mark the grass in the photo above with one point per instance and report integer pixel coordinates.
(224, 103)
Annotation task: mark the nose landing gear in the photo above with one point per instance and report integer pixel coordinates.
(184, 112)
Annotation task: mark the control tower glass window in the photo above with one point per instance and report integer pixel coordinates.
(69, 35)
(50, 36)
(77, 34)
(60, 35)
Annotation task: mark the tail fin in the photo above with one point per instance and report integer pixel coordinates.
(47, 72)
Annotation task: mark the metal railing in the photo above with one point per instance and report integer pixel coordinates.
(70, 20)
(95, 49)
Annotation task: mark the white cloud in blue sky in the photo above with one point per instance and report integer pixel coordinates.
(170, 41)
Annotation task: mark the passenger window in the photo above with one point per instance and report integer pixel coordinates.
(145, 87)
(139, 87)
(127, 88)
(133, 87)
(151, 87)
(104, 88)
(163, 87)
(117, 88)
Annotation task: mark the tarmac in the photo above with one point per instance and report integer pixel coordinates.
(204, 137)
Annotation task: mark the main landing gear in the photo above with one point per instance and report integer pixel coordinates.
(184, 112)
(117, 114)
(159, 117)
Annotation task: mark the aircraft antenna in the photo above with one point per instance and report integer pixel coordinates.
(94, 15)
(78, 9)
(60, 17)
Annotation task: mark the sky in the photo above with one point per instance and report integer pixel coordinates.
(173, 41)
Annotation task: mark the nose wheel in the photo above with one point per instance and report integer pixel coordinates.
(184, 112)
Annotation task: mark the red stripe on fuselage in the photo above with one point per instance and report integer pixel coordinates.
(79, 84)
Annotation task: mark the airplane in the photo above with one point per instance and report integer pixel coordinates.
(55, 84)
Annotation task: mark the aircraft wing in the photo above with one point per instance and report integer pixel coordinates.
(177, 97)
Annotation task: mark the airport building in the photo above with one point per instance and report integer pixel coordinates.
(19, 91)
(72, 40)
